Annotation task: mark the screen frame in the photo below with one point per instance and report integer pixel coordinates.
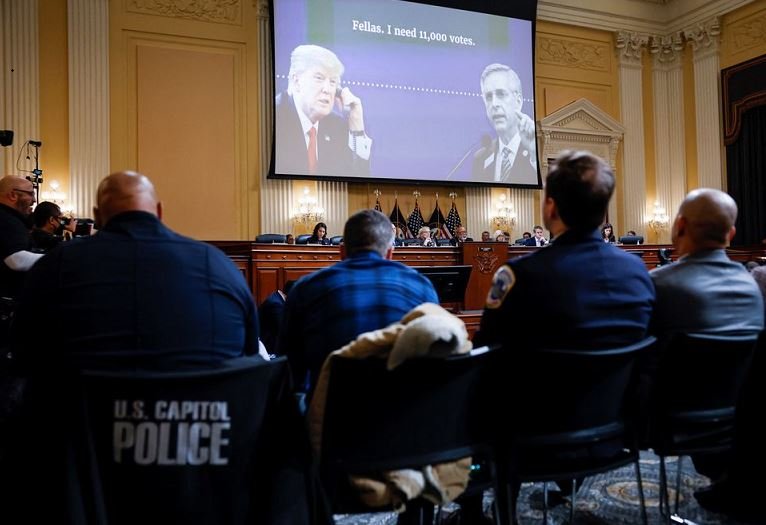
(461, 271)
(522, 10)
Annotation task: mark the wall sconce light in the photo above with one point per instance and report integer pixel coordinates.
(54, 195)
(308, 211)
(505, 219)
(659, 220)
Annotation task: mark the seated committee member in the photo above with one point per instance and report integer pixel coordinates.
(365, 291)
(319, 236)
(424, 237)
(50, 227)
(538, 239)
(607, 233)
(135, 294)
(310, 137)
(461, 236)
(512, 156)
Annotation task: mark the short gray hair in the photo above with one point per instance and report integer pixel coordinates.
(368, 230)
(308, 55)
(500, 68)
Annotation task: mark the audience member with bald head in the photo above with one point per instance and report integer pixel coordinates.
(125, 191)
(706, 292)
(142, 295)
(16, 199)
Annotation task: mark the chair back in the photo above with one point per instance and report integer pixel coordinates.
(698, 383)
(631, 239)
(564, 401)
(303, 238)
(270, 238)
(427, 410)
(200, 447)
(335, 240)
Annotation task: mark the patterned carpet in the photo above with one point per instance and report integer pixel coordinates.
(606, 499)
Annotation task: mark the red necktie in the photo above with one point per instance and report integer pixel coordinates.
(312, 150)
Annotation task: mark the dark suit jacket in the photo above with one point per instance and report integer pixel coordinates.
(531, 242)
(522, 171)
(454, 242)
(335, 157)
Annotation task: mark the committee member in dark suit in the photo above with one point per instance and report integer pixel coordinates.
(310, 138)
(538, 239)
(136, 294)
(461, 236)
(512, 156)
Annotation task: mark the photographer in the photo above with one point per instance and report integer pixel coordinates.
(50, 227)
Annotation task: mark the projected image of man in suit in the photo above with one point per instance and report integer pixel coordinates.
(511, 157)
(312, 139)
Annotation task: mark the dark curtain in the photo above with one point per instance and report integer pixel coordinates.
(746, 168)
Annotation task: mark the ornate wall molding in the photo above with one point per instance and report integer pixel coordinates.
(219, 11)
(568, 53)
(581, 125)
(704, 38)
(750, 32)
(261, 9)
(630, 47)
(666, 50)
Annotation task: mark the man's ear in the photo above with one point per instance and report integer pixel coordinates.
(730, 236)
(159, 210)
(390, 253)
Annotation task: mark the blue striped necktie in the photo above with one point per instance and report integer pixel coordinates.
(506, 165)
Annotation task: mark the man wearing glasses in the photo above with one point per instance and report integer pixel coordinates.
(16, 200)
(512, 156)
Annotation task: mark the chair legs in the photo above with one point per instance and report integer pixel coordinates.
(679, 464)
(644, 518)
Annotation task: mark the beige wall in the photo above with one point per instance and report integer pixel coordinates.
(186, 95)
(184, 103)
(54, 95)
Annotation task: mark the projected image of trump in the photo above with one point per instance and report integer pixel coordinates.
(319, 124)
(511, 157)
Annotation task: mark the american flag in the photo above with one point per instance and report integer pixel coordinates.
(415, 222)
(397, 218)
(453, 218)
(437, 221)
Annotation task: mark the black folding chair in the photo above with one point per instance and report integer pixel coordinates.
(218, 446)
(425, 411)
(699, 378)
(566, 412)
